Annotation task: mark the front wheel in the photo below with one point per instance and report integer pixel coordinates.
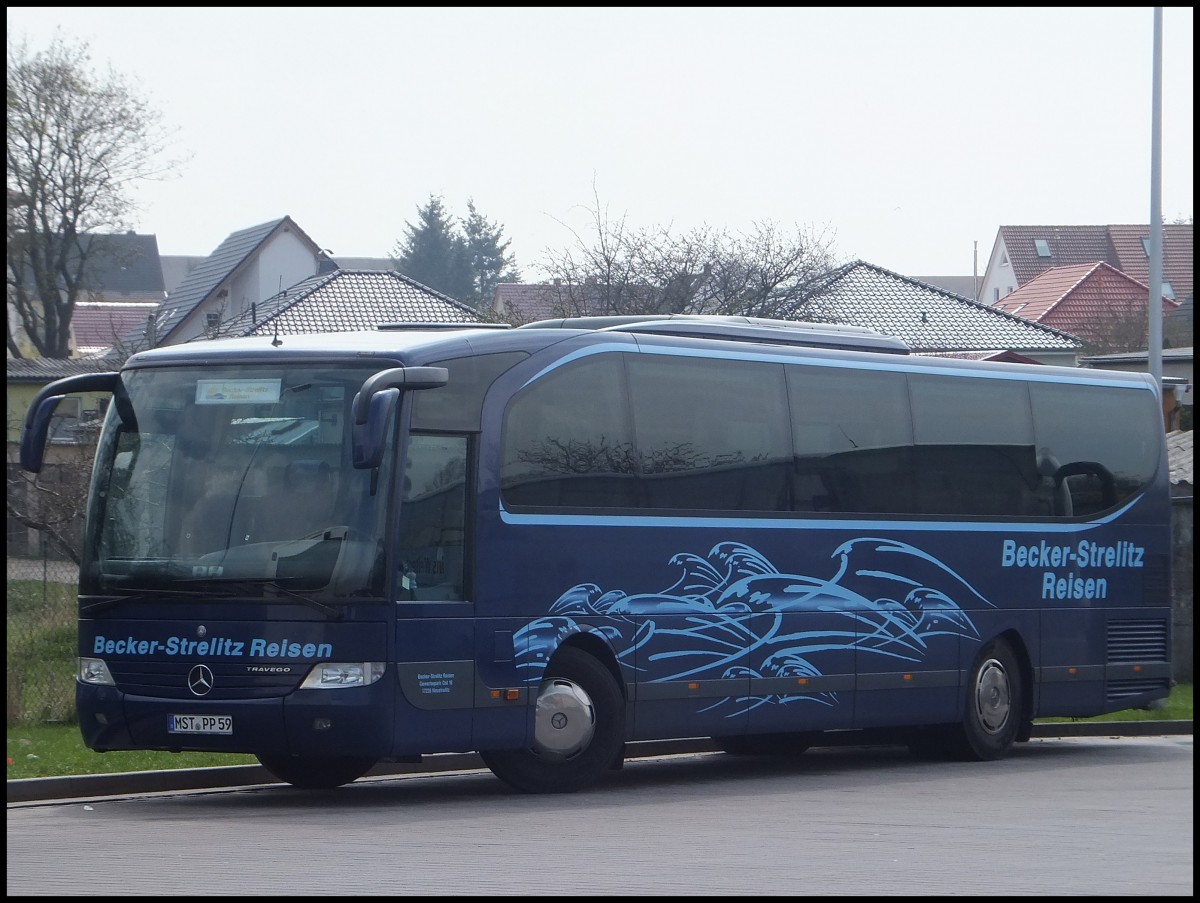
(579, 729)
(316, 773)
(994, 705)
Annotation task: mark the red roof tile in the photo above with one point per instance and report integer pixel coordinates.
(1081, 300)
(97, 325)
(1120, 246)
(1176, 251)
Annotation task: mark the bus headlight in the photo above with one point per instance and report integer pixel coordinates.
(334, 675)
(93, 671)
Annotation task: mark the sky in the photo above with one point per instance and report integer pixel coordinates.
(905, 137)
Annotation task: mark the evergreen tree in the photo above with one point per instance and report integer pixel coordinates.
(465, 261)
(487, 257)
(433, 252)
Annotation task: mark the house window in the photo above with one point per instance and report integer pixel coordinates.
(1003, 260)
(214, 320)
(1146, 245)
(995, 294)
(1042, 246)
(1168, 290)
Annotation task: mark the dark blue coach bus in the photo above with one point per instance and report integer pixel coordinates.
(543, 542)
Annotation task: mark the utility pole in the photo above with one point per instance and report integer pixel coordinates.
(1155, 309)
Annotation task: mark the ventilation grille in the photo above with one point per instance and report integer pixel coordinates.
(1123, 689)
(1137, 641)
(169, 681)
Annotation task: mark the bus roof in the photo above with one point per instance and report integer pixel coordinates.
(418, 344)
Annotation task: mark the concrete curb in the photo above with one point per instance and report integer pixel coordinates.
(90, 786)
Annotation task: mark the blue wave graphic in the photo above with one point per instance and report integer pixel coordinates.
(728, 608)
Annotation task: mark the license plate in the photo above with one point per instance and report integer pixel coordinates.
(200, 724)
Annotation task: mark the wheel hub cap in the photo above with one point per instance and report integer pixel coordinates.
(565, 719)
(993, 696)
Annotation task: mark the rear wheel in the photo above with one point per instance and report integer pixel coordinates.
(316, 773)
(994, 706)
(579, 729)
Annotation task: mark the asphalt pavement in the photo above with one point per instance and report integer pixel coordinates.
(74, 787)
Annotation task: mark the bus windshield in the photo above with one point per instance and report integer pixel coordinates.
(235, 480)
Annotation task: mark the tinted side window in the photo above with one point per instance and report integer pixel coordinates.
(433, 519)
(567, 439)
(1099, 446)
(710, 433)
(852, 433)
(974, 448)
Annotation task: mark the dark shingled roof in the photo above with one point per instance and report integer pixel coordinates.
(203, 279)
(929, 319)
(40, 370)
(348, 300)
(126, 266)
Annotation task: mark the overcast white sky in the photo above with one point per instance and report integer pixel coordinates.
(909, 135)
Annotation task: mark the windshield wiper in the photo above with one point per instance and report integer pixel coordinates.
(267, 583)
(328, 610)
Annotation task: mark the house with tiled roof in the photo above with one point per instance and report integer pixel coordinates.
(97, 327)
(1022, 253)
(1096, 302)
(932, 320)
(525, 303)
(25, 378)
(123, 271)
(249, 266)
(127, 268)
(347, 300)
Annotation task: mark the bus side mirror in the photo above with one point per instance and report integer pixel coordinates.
(370, 438)
(375, 403)
(36, 425)
(35, 430)
(395, 378)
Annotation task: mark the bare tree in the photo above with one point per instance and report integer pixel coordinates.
(77, 142)
(53, 502)
(1116, 329)
(764, 272)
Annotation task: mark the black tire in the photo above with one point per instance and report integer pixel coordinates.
(994, 706)
(579, 729)
(312, 773)
(790, 744)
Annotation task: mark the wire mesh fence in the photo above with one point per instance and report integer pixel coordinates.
(41, 641)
